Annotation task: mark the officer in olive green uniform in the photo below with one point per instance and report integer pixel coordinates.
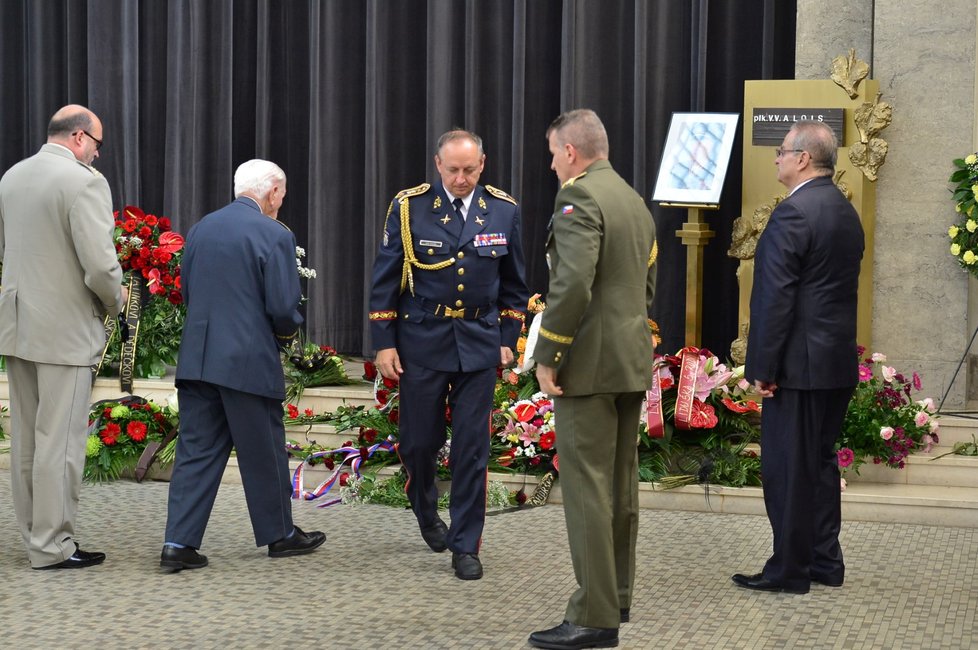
(594, 353)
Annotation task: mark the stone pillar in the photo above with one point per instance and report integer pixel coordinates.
(924, 59)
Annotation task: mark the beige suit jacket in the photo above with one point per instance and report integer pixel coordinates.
(61, 274)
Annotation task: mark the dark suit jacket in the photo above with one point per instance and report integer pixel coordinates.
(803, 302)
(487, 274)
(240, 283)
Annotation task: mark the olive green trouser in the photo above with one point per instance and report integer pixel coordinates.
(598, 457)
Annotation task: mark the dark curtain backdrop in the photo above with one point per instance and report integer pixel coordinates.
(349, 96)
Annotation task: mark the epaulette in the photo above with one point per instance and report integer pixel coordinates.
(654, 254)
(570, 181)
(499, 194)
(282, 224)
(94, 171)
(417, 190)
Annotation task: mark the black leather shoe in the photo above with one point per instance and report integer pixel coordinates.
(623, 614)
(299, 544)
(434, 535)
(467, 566)
(78, 560)
(828, 581)
(758, 582)
(568, 636)
(172, 559)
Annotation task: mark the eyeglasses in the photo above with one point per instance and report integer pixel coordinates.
(781, 151)
(98, 143)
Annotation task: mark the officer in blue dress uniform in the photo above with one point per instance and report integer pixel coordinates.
(447, 304)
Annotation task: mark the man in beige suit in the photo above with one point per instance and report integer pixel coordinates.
(60, 277)
(594, 355)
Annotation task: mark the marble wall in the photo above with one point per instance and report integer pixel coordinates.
(924, 58)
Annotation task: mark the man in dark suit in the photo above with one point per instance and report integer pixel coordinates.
(594, 355)
(801, 356)
(446, 308)
(241, 287)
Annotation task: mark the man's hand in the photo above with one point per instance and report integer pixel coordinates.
(547, 376)
(765, 388)
(505, 357)
(389, 363)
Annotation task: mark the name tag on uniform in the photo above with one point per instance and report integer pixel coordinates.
(490, 239)
(428, 242)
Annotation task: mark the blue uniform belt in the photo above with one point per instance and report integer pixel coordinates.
(445, 311)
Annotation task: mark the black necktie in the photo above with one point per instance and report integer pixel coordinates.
(457, 203)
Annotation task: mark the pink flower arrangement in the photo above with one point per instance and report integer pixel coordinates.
(883, 422)
(524, 433)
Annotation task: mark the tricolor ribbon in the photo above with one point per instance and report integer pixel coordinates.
(690, 361)
(354, 456)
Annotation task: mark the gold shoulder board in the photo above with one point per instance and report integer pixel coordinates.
(570, 181)
(282, 224)
(417, 190)
(499, 194)
(654, 254)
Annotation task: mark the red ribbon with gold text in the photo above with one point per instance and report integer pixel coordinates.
(653, 406)
(689, 368)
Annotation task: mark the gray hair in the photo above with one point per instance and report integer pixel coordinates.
(818, 139)
(457, 133)
(582, 128)
(257, 177)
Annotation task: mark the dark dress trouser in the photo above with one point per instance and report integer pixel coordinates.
(800, 474)
(213, 419)
(421, 421)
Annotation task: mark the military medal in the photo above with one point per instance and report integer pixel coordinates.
(478, 220)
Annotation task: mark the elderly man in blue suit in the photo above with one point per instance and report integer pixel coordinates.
(801, 356)
(241, 288)
(446, 308)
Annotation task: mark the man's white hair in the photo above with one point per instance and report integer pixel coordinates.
(257, 177)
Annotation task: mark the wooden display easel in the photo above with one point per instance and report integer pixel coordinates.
(695, 234)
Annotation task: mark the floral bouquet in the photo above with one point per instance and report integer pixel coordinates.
(964, 238)
(307, 365)
(883, 422)
(118, 433)
(524, 434)
(706, 435)
(149, 249)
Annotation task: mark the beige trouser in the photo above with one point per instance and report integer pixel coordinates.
(49, 407)
(597, 446)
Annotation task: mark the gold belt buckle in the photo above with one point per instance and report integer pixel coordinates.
(454, 313)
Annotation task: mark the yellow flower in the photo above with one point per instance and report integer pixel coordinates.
(952, 232)
(971, 159)
(957, 208)
(955, 250)
(971, 225)
(969, 257)
(974, 188)
(513, 438)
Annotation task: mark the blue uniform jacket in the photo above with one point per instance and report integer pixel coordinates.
(239, 280)
(479, 283)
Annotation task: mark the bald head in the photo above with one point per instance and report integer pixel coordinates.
(77, 128)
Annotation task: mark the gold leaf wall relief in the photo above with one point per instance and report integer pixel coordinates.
(847, 71)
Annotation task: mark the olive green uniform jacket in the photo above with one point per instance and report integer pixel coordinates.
(601, 254)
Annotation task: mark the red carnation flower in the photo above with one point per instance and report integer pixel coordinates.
(369, 435)
(390, 383)
(136, 431)
(175, 297)
(293, 410)
(145, 232)
(547, 440)
(150, 220)
(307, 412)
(344, 479)
(129, 225)
(163, 224)
(393, 416)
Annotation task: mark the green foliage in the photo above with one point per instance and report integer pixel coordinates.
(964, 233)
(157, 339)
(307, 365)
